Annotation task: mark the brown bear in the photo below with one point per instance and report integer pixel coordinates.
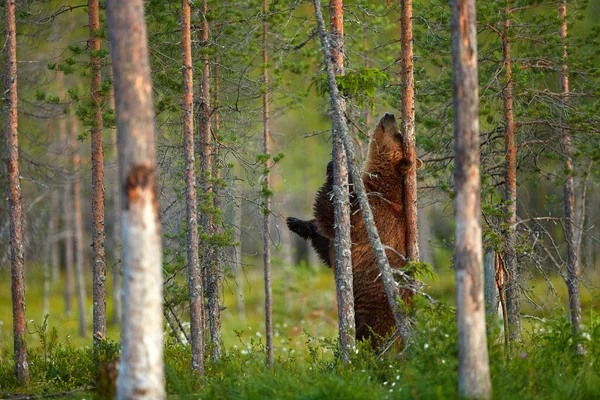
(383, 178)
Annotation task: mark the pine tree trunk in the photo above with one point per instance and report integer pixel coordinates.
(17, 266)
(510, 197)
(116, 270)
(210, 267)
(67, 203)
(383, 264)
(98, 234)
(79, 264)
(568, 188)
(408, 130)
(267, 200)
(53, 233)
(473, 364)
(194, 273)
(141, 373)
(237, 256)
(343, 253)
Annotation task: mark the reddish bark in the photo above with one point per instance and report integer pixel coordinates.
(98, 234)
(17, 266)
(408, 130)
(194, 273)
(510, 196)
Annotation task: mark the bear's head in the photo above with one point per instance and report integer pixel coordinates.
(386, 148)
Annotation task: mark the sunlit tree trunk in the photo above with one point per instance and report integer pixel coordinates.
(510, 195)
(473, 364)
(343, 254)
(408, 129)
(389, 284)
(141, 372)
(194, 273)
(17, 265)
(78, 238)
(267, 199)
(568, 188)
(98, 234)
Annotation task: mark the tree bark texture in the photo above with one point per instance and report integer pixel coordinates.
(341, 201)
(389, 284)
(98, 234)
(141, 373)
(510, 195)
(408, 129)
(473, 365)
(194, 272)
(17, 265)
(568, 187)
(267, 200)
(78, 238)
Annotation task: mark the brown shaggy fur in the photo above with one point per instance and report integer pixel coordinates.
(384, 181)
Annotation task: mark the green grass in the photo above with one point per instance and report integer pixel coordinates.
(306, 366)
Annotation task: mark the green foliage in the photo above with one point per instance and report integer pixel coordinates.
(360, 86)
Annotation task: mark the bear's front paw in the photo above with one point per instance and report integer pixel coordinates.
(299, 227)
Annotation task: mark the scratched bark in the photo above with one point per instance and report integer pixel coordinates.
(141, 373)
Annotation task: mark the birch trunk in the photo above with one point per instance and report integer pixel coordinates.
(141, 373)
(194, 273)
(343, 254)
(17, 266)
(267, 199)
(473, 365)
(408, 129)
(98, 234)
(568, 188)
(116, 271)
(390, 286)
(79, 265)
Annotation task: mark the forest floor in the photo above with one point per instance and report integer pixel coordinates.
(544, 366)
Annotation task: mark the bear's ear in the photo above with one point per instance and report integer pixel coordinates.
(419, 163)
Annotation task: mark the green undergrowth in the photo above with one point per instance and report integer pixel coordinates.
(545, 366)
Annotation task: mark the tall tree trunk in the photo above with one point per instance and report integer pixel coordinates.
(343, 253)
(510, 195)
(79, 265)
(408, 130)
(194, 273)
(267, 199)
(98, 235)
(237, 250)
(568, 188)
(141, 372)
(367, 110)
(383, 264)
(473, 364)
(53, 233)
(47, 269)
(209, 265)
(17, 266)
(116, 270)
(67, 204)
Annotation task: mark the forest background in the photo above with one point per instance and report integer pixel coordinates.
(52, 47)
